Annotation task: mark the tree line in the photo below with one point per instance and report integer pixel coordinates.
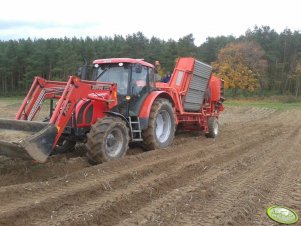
(56, 58)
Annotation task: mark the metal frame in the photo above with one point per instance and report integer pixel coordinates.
(68, 94)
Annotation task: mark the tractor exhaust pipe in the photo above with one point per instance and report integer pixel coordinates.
(26, 139)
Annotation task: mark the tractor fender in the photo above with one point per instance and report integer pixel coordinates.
(118, 115)
(147, 106)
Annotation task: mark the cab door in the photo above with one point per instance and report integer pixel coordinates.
(142, 83)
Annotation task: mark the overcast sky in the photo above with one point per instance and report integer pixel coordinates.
(164, 19)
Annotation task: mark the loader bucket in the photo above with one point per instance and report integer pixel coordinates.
(26, 139)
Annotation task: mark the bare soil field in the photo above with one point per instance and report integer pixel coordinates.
(231, 180)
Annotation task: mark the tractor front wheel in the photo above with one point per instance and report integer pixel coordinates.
(213, 127)
(161, 126)
(107, 140)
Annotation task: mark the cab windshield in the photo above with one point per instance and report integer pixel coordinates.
(114, 73)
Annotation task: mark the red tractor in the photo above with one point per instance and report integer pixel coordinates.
(119, 103)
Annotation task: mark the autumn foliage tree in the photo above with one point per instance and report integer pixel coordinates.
(242, 65)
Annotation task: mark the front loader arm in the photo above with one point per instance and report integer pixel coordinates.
(40, 145)
(75, 91)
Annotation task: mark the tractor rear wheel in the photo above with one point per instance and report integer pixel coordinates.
(161, 126)
(213, 127)
(107, 140)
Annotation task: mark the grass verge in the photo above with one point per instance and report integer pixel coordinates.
(279, 103)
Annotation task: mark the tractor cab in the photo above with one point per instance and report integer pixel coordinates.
(134, 79)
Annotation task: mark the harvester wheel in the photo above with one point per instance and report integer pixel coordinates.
(161, 126)
(107, 140)
(213, 127)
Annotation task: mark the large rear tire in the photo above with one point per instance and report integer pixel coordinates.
(161, 126)
(213, 127)
(107, 140)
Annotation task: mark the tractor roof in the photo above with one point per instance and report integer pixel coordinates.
(123, 60)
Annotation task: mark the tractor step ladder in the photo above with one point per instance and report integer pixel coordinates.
(135, 128)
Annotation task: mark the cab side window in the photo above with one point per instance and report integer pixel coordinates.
(139, 81)
(151, 76)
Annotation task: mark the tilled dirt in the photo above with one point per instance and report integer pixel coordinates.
(10, 135)
(230, 180)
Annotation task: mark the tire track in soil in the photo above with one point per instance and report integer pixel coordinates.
(87, 189)
(138, 197)
(239, 203)
(19, 171)
(289, 188)
(153, 162)
(275, 182)
(137, 201)
(214, 204)
(109, 191)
